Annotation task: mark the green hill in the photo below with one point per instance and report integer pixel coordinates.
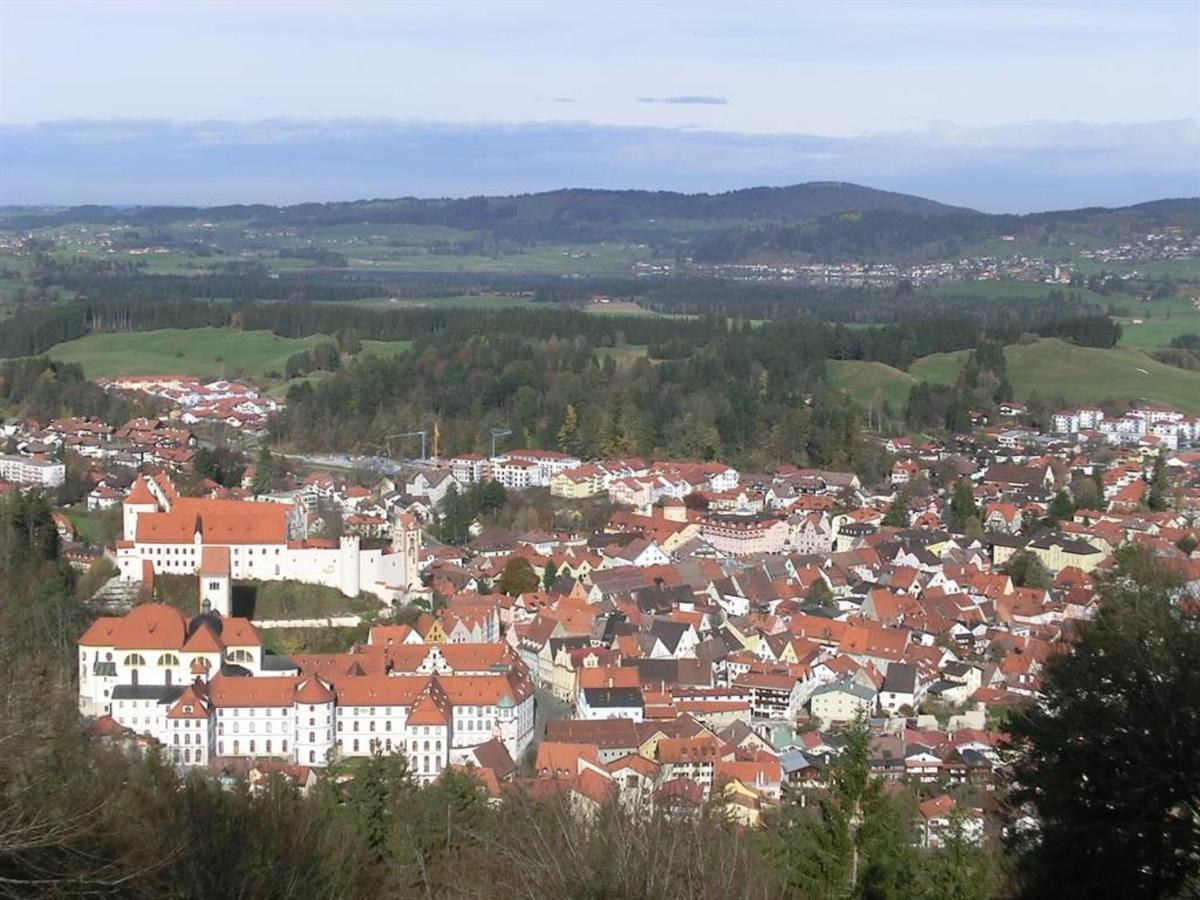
(1080, 374)
(861, 379)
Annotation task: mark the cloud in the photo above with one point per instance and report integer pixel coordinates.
(688, 100)
(565, 100)
(1017, 168)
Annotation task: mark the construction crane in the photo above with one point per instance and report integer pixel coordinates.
(498, 433)
(406, 434)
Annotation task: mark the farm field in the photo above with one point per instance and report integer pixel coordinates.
(203, 352)
(1052, 367)
(861, 379)
(574, 259)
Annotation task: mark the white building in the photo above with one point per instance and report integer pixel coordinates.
(265, 542)
(205, 689)
(27, 470)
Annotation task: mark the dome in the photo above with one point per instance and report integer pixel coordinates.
(212, 619)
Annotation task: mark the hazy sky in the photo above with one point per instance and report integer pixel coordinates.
(986, 81)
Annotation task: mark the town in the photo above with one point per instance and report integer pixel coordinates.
(709, 640)
(574, 451)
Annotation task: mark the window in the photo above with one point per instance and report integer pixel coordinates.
(135, 659)
(356, 745)
(168, 659)
(285, 746)
(268, 746)
(252, 746)
(312, 756)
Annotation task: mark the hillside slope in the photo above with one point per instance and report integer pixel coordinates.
(1052, 367)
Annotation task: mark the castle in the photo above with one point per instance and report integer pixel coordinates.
(222, 540)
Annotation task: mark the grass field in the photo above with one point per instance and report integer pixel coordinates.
(1161, 320)
(625, 354)
(861, 379)
(463, 301)
(1080, 374)
(86, 523)
(384, 348)
(203, 352)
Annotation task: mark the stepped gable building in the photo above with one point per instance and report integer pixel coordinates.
(261, 541)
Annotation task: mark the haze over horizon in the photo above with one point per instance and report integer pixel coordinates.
(1003, 107)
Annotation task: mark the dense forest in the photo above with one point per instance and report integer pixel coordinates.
(702, 387)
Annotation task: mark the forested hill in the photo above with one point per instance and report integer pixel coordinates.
(796, 203)
(899, 235)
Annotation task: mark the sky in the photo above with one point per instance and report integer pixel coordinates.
(1005, 106)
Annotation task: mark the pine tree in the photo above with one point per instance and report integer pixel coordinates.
(963, 511)
(264, 472)
(1108, 758)
(568, 432)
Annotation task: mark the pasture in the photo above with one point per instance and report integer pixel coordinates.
(1054, 368)
(202, 352)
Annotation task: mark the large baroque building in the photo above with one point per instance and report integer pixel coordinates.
(206, 689)
(166, 533)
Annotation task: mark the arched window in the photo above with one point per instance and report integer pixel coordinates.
(135, 659)
(168, 659)
(356, 745)
(241, 656)
(285, 746)
(252, 746)
(312, 756)
(268, 746)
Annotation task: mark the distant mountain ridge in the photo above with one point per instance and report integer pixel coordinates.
(823, 221)
(793, 203)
